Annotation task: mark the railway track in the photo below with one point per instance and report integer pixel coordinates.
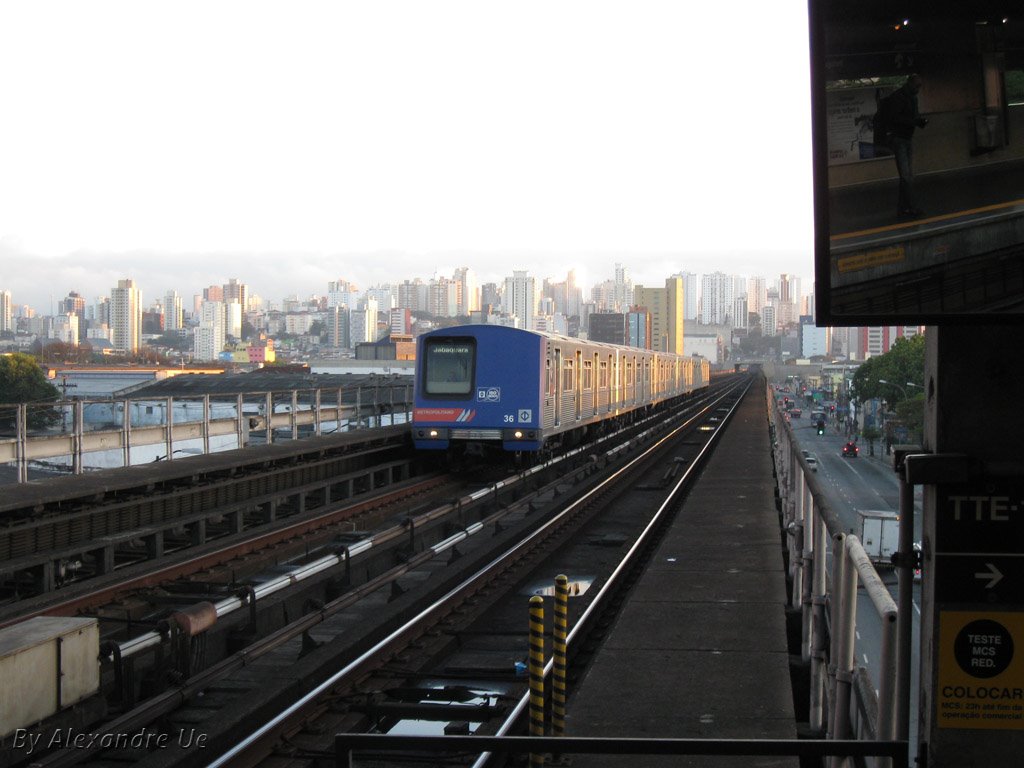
(367, 616)
(73, 529)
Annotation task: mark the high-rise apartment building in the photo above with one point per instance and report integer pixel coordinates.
(209, 336)
(443, 298)
(235, 291)
(400, 321)
(341, 293)
(413, 295)
(665, 307)
(173, 314)
(623, 288)
(520, 298)
(691, 295)
(740, 314)
(125, 317)
(6, 312)
(638, 328)
(64, 328)
(877, 340)
(607, 327)
(757, 294)
(338, 327)
(769, 321)
(469, 291)
(75, 304)
(717, 299)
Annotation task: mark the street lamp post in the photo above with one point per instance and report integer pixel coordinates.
(894, 384)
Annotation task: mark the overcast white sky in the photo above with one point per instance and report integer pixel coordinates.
(288, 144)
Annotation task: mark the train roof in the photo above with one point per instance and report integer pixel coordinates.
(487, 328)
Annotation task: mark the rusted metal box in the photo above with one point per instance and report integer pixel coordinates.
(46, 664)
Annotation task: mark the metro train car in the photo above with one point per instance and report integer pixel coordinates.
(480, 386)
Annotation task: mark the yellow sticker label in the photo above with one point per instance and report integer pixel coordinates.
(981, 670)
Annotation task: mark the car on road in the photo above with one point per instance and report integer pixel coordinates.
(812, 463)
(850, 450)
(795, 413)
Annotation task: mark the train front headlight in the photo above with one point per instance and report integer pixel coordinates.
(518, 434)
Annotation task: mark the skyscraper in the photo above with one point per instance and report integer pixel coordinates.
(208, 338)
(172, 312)
(6, 312)
(233, 290)
(469, 300)
(520, 298)
(717, 299)
(125, 316)
(757, 294)
(75, 304)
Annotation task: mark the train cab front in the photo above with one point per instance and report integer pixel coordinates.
(445, 370)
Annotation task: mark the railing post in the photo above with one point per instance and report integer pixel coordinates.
(240, 426)
(206, 424)
(270, 417)
(905, 602)
(294, 415)
(838, 566)
(846, 631)
(77, 436)
(818, 627)
(169, 426)
(317, 428)
(887, 685)
(806, 596)
(126, 433)
(21, 438)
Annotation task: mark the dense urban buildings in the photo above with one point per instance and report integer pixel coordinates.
(725, 317)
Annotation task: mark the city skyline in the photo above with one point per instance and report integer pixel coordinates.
(151, 297)
(367, 141)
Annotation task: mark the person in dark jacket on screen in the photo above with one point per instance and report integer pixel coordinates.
(903, 119)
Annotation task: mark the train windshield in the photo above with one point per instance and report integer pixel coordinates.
(448, 366)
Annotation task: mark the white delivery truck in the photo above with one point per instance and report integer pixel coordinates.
(879, 534)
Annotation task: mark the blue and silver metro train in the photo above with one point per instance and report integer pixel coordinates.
(480, 385)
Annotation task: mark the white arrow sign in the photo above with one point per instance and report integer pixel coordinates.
(993, 574)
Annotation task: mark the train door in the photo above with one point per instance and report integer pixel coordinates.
(579, 384)
(549, 390)
(558, 389)
(606, 387)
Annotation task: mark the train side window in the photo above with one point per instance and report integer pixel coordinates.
(602, 375)
(588, 375)
(568, 377)
(550, 377)
(448, 366)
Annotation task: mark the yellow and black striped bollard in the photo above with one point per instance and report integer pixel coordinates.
(559, 665)
(536, 673)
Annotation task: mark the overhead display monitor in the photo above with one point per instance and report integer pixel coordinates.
(918, 128)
